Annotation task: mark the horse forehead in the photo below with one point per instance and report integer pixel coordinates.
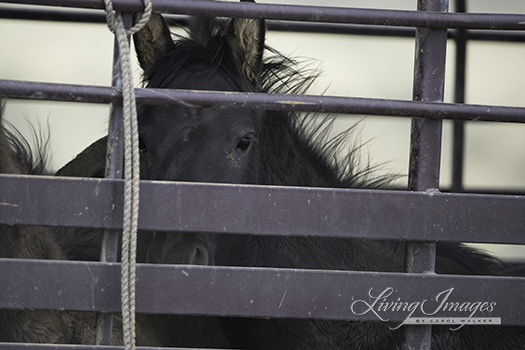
(183, 120)
(203, 78)
(221, 123)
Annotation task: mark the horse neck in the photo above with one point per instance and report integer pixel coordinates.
(287, 158)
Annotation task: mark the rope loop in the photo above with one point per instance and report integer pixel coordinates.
(131, 168)
(112, 17)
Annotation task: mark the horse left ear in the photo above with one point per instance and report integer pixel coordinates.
(246, 39)
(152, 40)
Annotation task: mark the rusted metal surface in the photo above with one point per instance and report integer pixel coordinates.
(306, 103)
(306, 13)
(235, 291)
(294, 211)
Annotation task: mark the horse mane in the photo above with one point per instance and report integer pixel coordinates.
(312, 133)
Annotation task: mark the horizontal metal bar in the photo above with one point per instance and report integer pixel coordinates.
(58, 14)
(65, 15)
(305, 103)
(307, 13)
(266, 210)
(250, 292)
(370, 30)
(286, 26)
(517, 37)
(28, 346)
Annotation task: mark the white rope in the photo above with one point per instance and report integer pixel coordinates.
(131, 168)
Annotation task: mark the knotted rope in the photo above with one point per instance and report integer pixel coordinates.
(131, 168)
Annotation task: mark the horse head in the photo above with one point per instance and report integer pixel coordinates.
(185, 143)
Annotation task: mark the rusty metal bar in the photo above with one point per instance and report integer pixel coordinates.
(306, 103)
(237, 291)
(306, 13)
(214, 208)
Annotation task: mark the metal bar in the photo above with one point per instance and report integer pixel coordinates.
(306, 13)
(494, 36)
(62, 15)
(429, 84)
(287, 26)
(110, 238)
(425, 148)
(113, 170)
(252, 292)
(27, 346)
(214, 208)
(458, 136)
(306, 103)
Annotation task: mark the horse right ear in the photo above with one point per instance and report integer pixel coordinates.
(246, 40)
(152, 40)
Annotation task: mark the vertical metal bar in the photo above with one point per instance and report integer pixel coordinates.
(114, 165)
(199, 26)
(458, 131)
(425, 152)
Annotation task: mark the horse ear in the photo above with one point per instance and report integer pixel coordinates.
(152, 40)
(246, 39)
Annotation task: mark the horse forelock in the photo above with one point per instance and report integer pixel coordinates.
(212, 56)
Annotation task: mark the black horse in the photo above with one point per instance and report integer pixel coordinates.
(184, 143)
(274, 148)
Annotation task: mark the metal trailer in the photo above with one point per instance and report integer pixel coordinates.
(421, 216)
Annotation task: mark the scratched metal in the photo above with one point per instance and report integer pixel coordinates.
(264, 292)
(272, 210)
(425, 148)
(306, 13)
(255, 292)
(306, 103)
(24, 346)
(90, 16)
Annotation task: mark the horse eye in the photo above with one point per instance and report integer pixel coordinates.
(244, 143)
(142, 145)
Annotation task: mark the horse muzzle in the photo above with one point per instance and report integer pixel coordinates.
(179, 248)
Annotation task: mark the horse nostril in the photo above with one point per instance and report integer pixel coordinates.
(142, 145)
(170, 248)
